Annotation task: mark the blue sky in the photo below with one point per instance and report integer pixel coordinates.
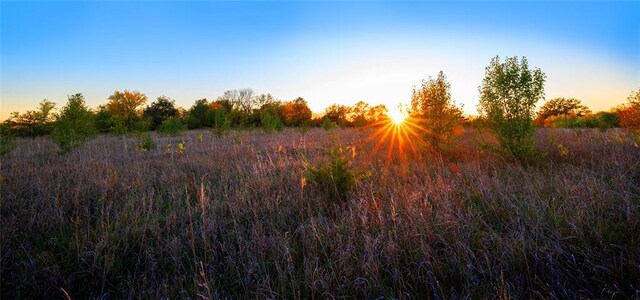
(326, 52)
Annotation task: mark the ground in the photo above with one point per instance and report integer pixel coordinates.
(234, 217)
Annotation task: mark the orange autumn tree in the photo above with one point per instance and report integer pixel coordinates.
(629, 113)
(126, 107)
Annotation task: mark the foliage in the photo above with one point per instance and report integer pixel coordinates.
(271, 123)
(328, 125)
(160, 110)
(221, 122)
(629, 113)
(602, 120)
(74, 126)
(146, 143)
(336, 177)
(200, 115)
(561, 107)
(105, 122)
(126, 108)
(33, 122)
(296, 112)
(172, 126)
(337, 114)
(508, 95)
(7, 140)
(434, 111)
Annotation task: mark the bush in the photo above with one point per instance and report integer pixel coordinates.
(335, 177)
(172, 126)
(328, 125)
(146, 143)
(74, 126)
(271, 123)
(221, 122)
(7, 140)
(508, 96)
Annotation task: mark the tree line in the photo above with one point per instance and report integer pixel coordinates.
(129, 112)
(508, 97)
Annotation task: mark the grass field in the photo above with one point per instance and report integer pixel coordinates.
(231, 217)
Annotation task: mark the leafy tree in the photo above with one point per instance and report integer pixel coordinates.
(337, 114)
(221, 122)
(106, 122)
(126, 107)
(75, 124)
(172, 126)
(508, 96)
(33, 122)
(629, 113)
(271, 123)
(296, 112)
(561, 107)
(160, 110)
(433, 109)
(200, 115)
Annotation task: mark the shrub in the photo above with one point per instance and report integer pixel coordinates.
(7, 140)
(328, 125)
(335, 177)
(172, 126)
(74, 126)
(221, 122)
(271, 123)
(146, 143)
(508, 96)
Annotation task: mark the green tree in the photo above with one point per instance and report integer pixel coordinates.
(508, 95)
(433, 109)
(200, 115)
(75, 124)
(271, 123)
(561, 107)
(221, 122)
(172, 126)
(160, 110)
(337, 114)
(33, 122)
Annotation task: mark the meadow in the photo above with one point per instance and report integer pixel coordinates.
(234, 217)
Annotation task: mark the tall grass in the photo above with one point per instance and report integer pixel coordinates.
(229, 218)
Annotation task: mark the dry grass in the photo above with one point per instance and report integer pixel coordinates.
(229, 218)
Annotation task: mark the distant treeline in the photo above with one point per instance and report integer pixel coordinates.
(129, 112)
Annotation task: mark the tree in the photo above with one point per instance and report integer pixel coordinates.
(200, 115)
(433, 109)
(570, 107)
(126, 107)
(74, 126)
(629, 113)
(271, 123)
(221, 122)
(160, 110)
(337, 114)
(296, 112)
(508, 96)
(33, 122)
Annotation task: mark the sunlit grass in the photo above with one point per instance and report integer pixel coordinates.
(232, 218)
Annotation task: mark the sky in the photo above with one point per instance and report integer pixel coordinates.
(326, 52)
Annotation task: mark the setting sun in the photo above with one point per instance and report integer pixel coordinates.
(397, 117)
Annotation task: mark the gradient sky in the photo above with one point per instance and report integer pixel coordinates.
(326, 52)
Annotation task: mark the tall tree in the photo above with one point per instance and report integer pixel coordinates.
(508, 95)
(75, 124)
(434, 110)
(126, 106)
(161, 110)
